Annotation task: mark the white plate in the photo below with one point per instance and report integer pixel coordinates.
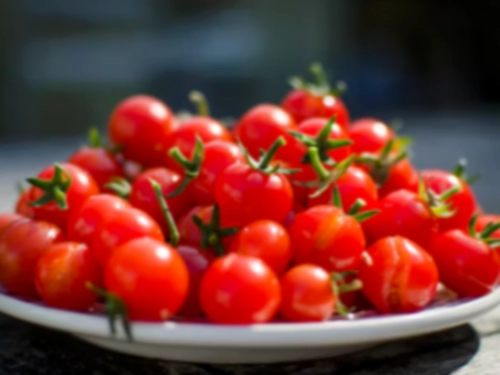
(261, 343)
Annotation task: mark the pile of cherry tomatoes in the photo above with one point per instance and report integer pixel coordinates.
(294, 213)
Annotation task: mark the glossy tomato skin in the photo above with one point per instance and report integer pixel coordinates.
(325, 236)
(150, 277)
(402, 213)
(184, 137)
(61, 275)
(245, 195)
(121, 227)
(401, 278)
(238, 289)
(141, 124)
(7, 219)
(369, 135)
(99, 163)
(306, 294)
(97, 209)
(303, 105)
(23, 207)
(143, 196)
(261, 126)
(482, 222)
(82, 187)
(266, 240)
(197, 262)
(218, 156)
(402, 175)
(467, 265)
(188, 230)
(22, 243)
(354, 184)
(464, 202)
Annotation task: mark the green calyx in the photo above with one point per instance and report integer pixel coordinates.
(460, 172)
(212, 233)
(191, 167)
(321, 85)
(321, 141)
(339, 286)
(486, 233)
(119, 186)
(354, 209)
(95, 140)
(54, 189)
(437, 202)
(266, 157)
(167, 214)
(115, 309)
(380, 165)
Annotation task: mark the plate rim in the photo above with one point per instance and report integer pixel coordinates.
(279, 334)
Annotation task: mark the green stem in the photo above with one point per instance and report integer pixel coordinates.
(174, 232)
(327, 129)
(119, 186)
(315, 161)
(356, 206)
(201, 103)
(365, 215)
(450, 192)
(337, 199)
(319, 75)
(268, 156)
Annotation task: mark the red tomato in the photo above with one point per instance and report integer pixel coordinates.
(405, 214)
(245, 195)
(325, 236)
(402, 175)
(99, 163)
(23, 207)
(261, 126)
(307, 294)
(354, 184)
(467, 265)
(189, 232)
(81, 187)
(83, 222)
(61, 275)
(482, 222)
(238, 289)
(184, 137)
(197, 261)
(124, 225)
(141, 124)
(143, 195)
(401, 278)
(218, 156)
(150, 277)
(22, 243)
(369, 135)
(463, 202)
(7, 219)
(302, 105)
(266, 240)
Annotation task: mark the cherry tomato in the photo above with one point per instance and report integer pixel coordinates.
(463, 202)
(261, 126)
(124, 225)
(23, 207)
(354, 184)
(143, 195)
(402, 175)
(405, 214)
(482, 222)
(369, 135)
(189, 232)
(150, 277)
(467, 265)
(245, 195)
(197, 261)
(7, 219)
(141, 124)
(99, 163)
(401, 277)
(61, 275)
(307, 294)
(82, 186)
(22, 243)
(218, 156)
(325, 236)
(185, 135)
(83, 222)
(239, 289)
(266, 240)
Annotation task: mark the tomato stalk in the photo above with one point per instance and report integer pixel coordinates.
(339, 286)
(200, 102)
(460, 172)
(114, 309)
(437, 202)
(191, 167)
(321, 85)
(174, 231)
(54, 189)
(485, 234)
(120, 187)
(356, 206)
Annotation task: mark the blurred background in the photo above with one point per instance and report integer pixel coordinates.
(432, 63)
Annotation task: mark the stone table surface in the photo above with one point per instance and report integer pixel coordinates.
(472, 349)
